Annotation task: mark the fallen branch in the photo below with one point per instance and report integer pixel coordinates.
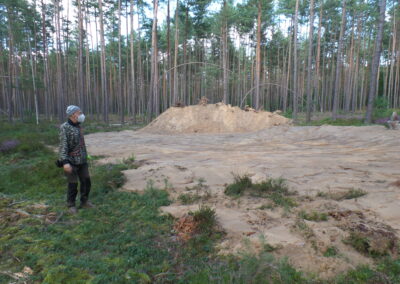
(17, 202)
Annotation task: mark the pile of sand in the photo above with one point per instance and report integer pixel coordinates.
(213, 118)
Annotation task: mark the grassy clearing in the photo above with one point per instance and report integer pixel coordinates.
(123, 240)
(274, 189)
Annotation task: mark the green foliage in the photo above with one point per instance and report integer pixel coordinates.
(381, 103)
(274, 189)
(384, 112)
(206, 219)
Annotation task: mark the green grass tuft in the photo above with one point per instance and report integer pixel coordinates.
(239, 185)
(274, 189)
(206, 219)
(331, 252)
(188, 198)
(313, 216)
(354, 193)
(343, 195)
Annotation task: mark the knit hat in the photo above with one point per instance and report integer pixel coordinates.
(72, 109)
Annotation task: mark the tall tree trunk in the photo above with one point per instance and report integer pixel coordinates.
(289, 70)
(80, 77)
(318, 59)
(350, 73)
(375, 61)
(295, 89)
(132, 94)
(256, 102)
(339, 64)
(153, 106)
(120, 95)
(225, 54)
(175, 70)
(169, 81)
(60, 90)
(33, 82)
(392, 61)
(46, 85)
(103, 73)
(310, 48)
(88, 97)
(184, 85)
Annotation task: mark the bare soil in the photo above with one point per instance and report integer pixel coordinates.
(213, 118)
(317, 162)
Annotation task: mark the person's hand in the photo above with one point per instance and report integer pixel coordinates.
(67, 168)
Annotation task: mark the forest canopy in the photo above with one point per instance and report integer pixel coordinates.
(137, 58)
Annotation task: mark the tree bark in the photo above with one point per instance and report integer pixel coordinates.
(310, 48)
(375, 62)
(103, 72)
(295, 89)
(256, 101)
(339, 64)
(224, 54)
(153, 104)
(175, 70)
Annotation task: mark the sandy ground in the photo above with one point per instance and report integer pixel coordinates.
(213, 118)
(325, 159)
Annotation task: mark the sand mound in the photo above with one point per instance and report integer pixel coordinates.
(213, 118)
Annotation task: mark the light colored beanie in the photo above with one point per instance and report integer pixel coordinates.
(72, 109)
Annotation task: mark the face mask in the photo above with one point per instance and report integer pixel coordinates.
(81, 118)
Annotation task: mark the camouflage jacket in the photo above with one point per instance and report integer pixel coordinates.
(72, 148)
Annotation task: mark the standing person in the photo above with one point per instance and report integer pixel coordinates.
(72, 157)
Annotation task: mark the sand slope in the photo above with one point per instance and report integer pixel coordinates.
(212, 118)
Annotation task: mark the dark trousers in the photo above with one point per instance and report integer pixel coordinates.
(80, 172)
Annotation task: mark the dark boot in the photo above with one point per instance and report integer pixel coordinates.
(72, 210)
(71, 194)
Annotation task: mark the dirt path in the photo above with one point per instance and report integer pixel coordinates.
(324, 159)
